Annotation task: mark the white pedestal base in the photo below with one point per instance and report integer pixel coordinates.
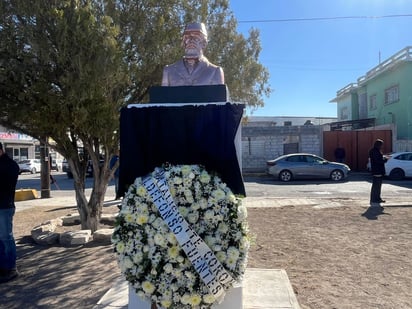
(232, 300)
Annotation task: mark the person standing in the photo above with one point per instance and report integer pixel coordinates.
(378, 171)
(9, 172)
(112, 165)
(340, 154)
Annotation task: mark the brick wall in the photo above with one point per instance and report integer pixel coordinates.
(262, 143)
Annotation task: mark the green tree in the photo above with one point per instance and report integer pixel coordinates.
(68, 66)
(62, 76)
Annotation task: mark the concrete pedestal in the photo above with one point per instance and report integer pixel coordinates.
(232, 300)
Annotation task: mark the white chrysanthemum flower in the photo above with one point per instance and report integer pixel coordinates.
(183, 211)
(137, 258)
(128, 263)
(241, 213)
(142, 219)
(231, 263)
(166, 303)
(168, 268)
(231, 197)
(141, 294)
(148, 287)
(203, 203)
(129, 218)
(160, 240)
(173, 252)
(210, 240)
(185, 299)
(209, 214)
(177, 180)
(195, 300)
(186, 170)
(204, 177)
(193, 217)
(141, 191)
(232, 252)
(223, 227)
(120, 247)
(221, 256)
(209, 299)
(219, 194)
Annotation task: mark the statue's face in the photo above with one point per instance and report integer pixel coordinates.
(193, 43)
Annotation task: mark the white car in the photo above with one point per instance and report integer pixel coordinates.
(399, 165)
(30, 165)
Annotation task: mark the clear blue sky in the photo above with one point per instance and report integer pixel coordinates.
(310, 60)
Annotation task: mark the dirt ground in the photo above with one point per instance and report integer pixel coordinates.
(343, 258)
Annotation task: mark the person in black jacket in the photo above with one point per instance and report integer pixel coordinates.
(9, 172)
(378, 171)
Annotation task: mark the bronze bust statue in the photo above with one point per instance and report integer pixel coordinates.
(194, 69)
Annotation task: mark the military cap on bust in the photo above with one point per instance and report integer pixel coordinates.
(199, 27)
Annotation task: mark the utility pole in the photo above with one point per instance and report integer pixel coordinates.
(45, 170)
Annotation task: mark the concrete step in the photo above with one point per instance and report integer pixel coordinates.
(262, 289)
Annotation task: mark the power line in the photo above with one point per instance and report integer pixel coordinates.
(321, 18)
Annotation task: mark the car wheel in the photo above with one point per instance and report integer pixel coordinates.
(285, 176)
(33, 170)
(397, 174)
(336, 175)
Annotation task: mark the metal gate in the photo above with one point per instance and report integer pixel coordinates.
(356, 145)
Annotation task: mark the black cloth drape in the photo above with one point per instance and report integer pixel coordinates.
(188, 134)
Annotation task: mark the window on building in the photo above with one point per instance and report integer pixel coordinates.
(344, 113)
(363, 105)
(24, 153)
(287, 123)
(392, 94)
(372, 102)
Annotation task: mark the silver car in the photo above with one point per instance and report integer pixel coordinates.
(305, 165)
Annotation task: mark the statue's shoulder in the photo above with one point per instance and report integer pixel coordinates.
(210, 65)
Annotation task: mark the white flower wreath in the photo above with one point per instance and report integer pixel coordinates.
(148, 252)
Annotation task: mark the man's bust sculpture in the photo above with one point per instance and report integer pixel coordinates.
(194, 69)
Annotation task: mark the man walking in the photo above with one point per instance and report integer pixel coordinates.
(9, 172)
(378, 171)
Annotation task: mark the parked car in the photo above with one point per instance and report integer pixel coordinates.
(399, 165)
(30, 165)
(306, 165)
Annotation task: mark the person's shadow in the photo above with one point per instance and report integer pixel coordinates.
(373, 212)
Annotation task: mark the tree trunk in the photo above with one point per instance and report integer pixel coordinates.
(90, 211)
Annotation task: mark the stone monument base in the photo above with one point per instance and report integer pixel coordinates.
(232, 300)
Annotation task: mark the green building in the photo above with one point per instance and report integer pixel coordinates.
(381, 99)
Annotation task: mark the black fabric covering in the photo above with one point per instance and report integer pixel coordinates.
(188, 94)
(152, 136)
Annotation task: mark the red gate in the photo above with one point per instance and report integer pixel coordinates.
(356, 145)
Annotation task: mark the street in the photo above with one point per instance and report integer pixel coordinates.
(356, 187)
